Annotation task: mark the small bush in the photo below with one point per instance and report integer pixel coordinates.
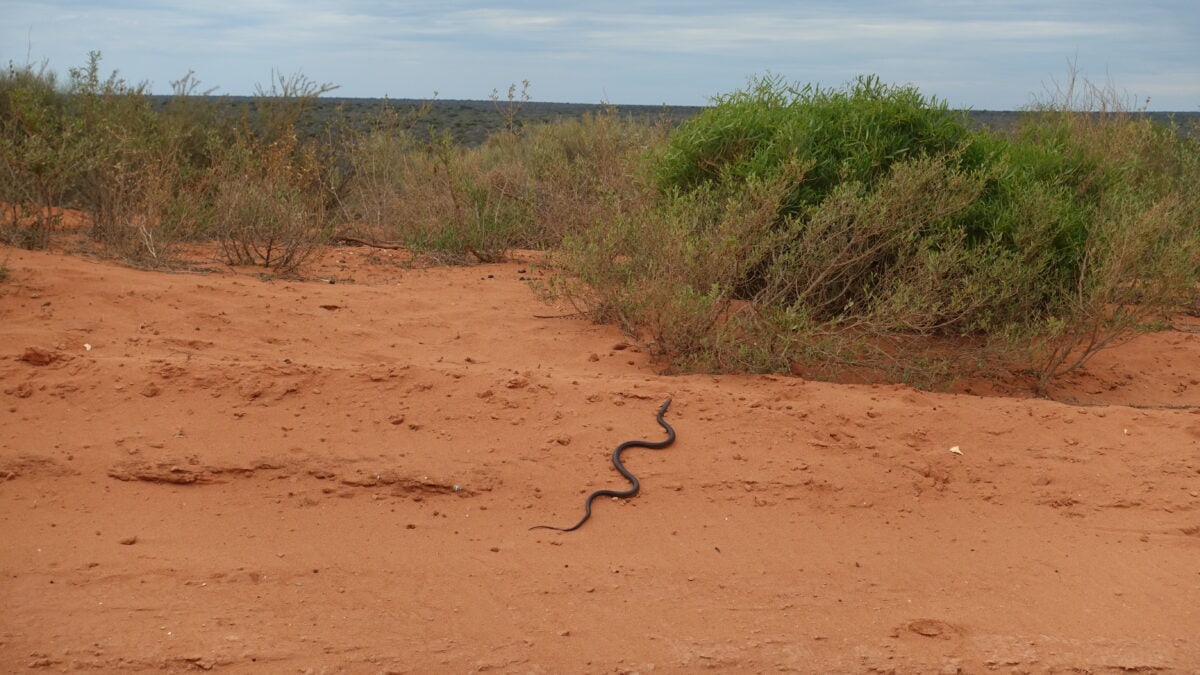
(262, 213)
(378, 164)
(39, 150)
(129, 165)
(1136, 243)
(668, 270)
(268, 191)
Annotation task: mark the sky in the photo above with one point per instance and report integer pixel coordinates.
(977, 54)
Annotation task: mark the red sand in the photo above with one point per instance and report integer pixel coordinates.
(212, 471)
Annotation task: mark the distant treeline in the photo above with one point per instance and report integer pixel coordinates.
(471, 122)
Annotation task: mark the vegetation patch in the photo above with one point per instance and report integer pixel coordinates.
(869, 229)
(861, 231)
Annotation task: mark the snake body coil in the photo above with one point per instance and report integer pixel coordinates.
(616, 459)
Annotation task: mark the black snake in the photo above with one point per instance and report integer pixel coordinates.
(616, 458)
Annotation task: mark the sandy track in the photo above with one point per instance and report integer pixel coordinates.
(287, 476)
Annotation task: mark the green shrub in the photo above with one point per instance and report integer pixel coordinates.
(888, 237)
(95, 144)
(39, 150)
(1136, 243)
(852, 134)
(127, 164)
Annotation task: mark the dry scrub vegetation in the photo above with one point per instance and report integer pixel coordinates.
(862, 232)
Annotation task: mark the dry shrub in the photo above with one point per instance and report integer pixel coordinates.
(150, 178)
(262, 212)
(1139, 266)
(379, 164)
(456, 204)
(1140, 259)
(524, 188)
(667, 272)
(126, 164)
(587, 170)
(147, 182)
(132, 205)
(26, 225)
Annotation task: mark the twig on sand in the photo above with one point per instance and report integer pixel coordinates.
(355, 241)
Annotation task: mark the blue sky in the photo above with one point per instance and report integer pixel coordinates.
(982, 54)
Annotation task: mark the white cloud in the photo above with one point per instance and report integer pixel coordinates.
(507, 20)
(980, 53)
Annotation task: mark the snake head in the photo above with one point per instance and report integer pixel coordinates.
(666, 404)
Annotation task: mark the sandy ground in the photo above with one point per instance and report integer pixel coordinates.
(216, 471)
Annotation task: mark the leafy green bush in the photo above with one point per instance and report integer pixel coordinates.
(853, 134)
